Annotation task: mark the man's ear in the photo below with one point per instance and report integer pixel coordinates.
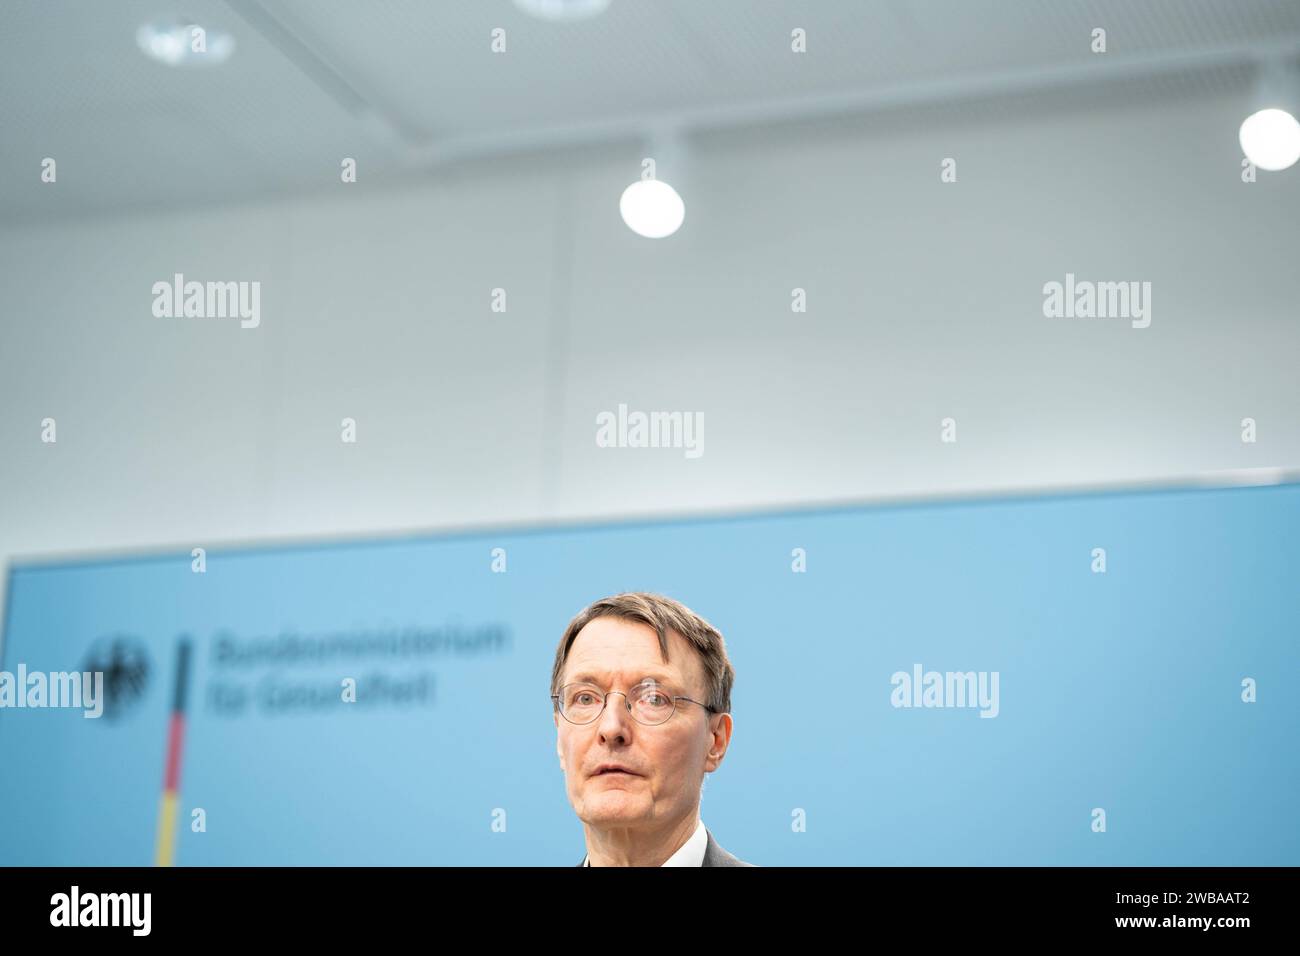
(721, 739)
(559, 750)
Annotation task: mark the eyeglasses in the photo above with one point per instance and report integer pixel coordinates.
(646, 702)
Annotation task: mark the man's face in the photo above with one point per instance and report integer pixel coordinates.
(669, 759)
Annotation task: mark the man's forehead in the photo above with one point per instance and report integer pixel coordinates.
(609, 647)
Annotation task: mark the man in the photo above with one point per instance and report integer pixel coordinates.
(641, 690)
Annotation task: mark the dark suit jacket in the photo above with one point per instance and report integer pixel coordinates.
(714, 854)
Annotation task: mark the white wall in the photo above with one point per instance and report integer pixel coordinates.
(924, 301)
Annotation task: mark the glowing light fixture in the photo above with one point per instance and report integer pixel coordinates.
(1270, 136)
(651, 206)
(185, 44)
(562, 9)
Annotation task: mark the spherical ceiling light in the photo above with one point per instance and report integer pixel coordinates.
(1270, 138)
(652, 208)
(185, 44)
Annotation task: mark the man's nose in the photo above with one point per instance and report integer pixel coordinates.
(615, 719)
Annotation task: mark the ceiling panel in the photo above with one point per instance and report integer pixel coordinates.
(391, 82)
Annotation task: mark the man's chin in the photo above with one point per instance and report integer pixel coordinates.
(612, 806)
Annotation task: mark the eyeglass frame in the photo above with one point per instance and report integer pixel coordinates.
(627, 702)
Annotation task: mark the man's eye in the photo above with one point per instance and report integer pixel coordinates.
(657, 700)
(584, 699)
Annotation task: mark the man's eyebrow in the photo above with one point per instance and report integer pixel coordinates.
(585, 678)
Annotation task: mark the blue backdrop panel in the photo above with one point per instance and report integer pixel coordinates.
(1120, 691)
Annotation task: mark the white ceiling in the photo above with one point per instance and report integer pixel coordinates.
(402, 84)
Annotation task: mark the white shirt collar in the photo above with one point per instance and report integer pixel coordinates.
(691, 853)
